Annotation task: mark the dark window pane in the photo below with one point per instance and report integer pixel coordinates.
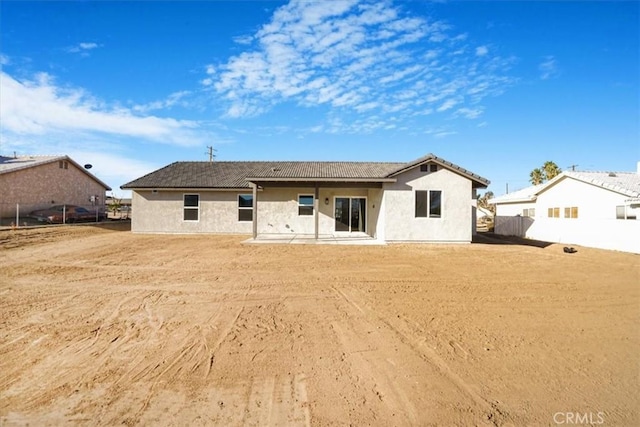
(191, 214)
(435, 199)
(305, 210)
(245, 200)
(433, 168)
(305, 200)
(191, 200)
(424, 168)
(421, 204)
(245, 214)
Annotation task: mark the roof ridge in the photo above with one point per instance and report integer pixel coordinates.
(288, 161)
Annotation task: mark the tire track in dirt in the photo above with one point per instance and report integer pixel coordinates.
(493, 414)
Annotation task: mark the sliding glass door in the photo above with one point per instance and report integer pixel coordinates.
(351, 214)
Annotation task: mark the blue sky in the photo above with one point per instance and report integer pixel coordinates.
(496, 87)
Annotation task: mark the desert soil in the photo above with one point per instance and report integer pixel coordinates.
(102, 326)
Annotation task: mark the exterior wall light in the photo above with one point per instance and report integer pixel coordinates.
(326, 200)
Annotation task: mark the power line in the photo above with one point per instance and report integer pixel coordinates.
(210, 151)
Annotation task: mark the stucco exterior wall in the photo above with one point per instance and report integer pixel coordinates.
(593, 202)
(45, 185)
(455, 223)
(514, 209)
(596, 225)
(163, 212)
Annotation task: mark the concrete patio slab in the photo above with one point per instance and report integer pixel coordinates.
(309, 239)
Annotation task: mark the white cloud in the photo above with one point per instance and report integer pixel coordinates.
(358, 57)
(4, 60)
(244, 40)
(548, 68)
(82, 48)
(39, 107)
(469, 113)
(482, 50)
(176, 98)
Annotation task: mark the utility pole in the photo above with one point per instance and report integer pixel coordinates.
(573, 167)
(210, 152)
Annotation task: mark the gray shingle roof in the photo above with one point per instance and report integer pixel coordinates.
(625, 183)
(238, 174)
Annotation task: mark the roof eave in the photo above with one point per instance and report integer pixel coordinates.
(282, 179)
(483, 182)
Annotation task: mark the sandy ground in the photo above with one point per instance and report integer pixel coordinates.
(102, 326)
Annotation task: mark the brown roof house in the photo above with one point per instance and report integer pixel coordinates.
(36, 182)
(426, 200)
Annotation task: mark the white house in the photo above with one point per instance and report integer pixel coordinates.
(595, 209)
(426, 200)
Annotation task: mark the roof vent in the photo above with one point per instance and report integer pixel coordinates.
(275, 169)
(611, 174)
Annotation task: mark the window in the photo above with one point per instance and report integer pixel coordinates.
(625, 212)
(305, 204)
(530, 212)
(571, 212)
(429, 204)
(428, 168)
(553, 212)
(63, 164)
(245, 207)
(191, 207)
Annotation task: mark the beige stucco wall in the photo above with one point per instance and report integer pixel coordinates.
(455, 224)
(45, 185)
(162, 211)
(278, 209)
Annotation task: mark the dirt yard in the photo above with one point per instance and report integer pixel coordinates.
(102, 326)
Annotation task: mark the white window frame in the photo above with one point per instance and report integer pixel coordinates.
(312, 206)
(428, 213)
(191, 208)
(246, 207)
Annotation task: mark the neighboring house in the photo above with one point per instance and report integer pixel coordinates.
(596, 209)
(427, 200)
(36, 182)
(124, 209)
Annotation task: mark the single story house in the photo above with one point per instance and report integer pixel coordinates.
(594, 209)
(426, 200)
(28, 183)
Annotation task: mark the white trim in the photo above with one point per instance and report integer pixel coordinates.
(195, 208)
(428, 216)
(313, 197)
(253, 202)
(366, 215)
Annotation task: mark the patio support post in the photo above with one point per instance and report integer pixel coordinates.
(316, 206)
(255, 209)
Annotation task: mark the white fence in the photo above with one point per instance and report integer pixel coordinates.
(615, 234)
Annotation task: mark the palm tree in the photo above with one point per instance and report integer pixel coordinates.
(536, 176)
(550, 170)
